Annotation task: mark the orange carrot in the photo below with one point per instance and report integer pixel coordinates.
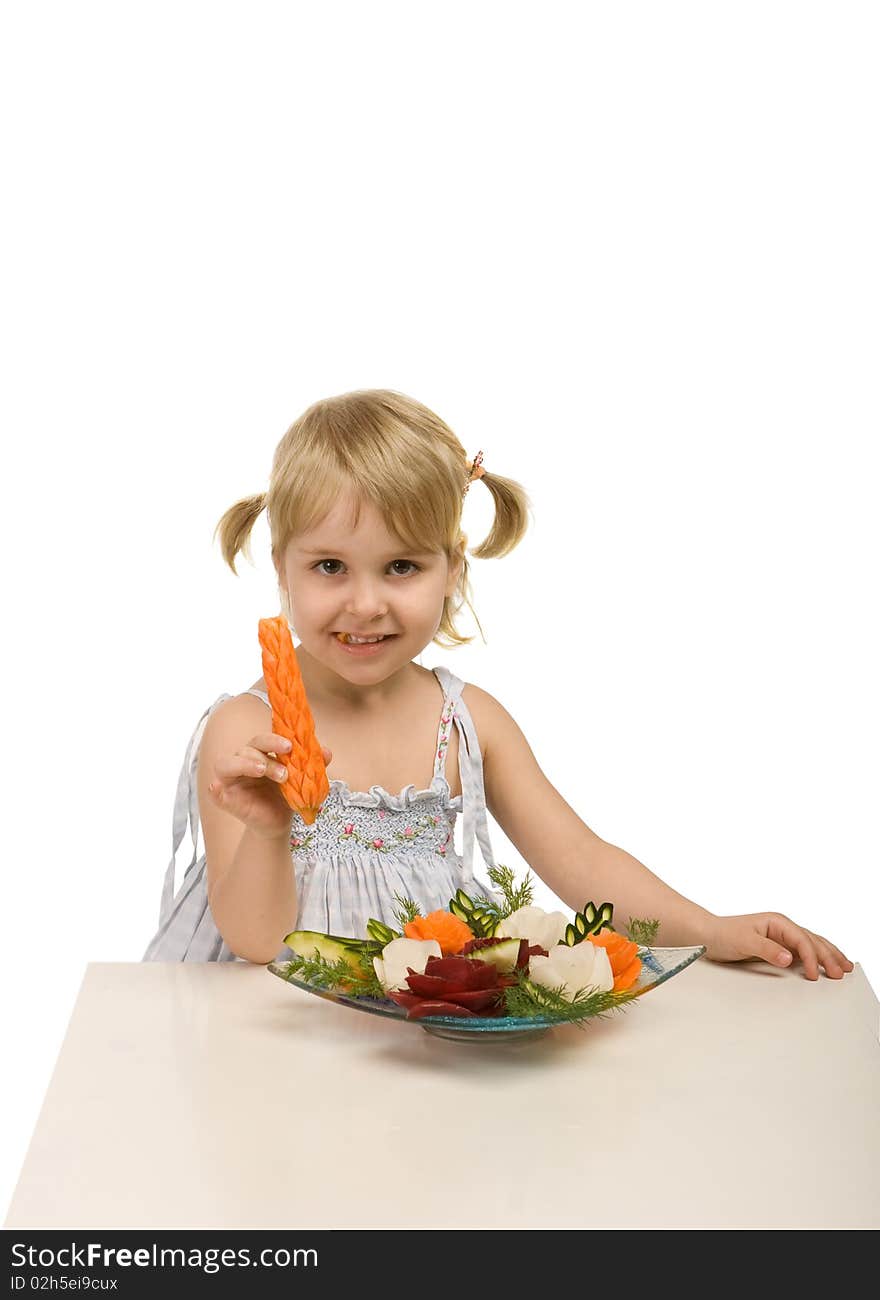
(628, 975)
(306, 786)
(623, 956)
(450, 932)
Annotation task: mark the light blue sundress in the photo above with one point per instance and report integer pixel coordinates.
(361, 850)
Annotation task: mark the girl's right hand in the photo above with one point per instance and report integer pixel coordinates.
(246, 784)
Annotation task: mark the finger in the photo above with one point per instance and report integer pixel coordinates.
(801, 942)
(248, 762)
(327, 754)
(232, 767)
(770, 951)
(271, 743)
(812, 949)
(274, 768)
(835, 963)
(218, 790)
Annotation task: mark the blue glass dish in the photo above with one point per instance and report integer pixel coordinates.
(658, 965)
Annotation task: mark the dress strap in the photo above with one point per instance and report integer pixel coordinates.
(446, 716)
(470, 766)
(185, 807)
(186, 927)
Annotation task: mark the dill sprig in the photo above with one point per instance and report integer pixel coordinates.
(359, 981)
(527, 1000)
(406, 911)
(515, 896)
(643, 932)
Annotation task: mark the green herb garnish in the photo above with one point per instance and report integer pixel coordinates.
(526, 1000)
(643, 933)
(406, 911)
(360, 981)
(515, 896)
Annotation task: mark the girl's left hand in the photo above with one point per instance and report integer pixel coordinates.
(775, 939)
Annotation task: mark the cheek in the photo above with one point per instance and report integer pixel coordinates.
(430, 606)
(307, 596)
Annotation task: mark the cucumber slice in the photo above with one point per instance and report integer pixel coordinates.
(592, 919)
(603, 917)
(365, 947)
(503, 955)
(306, 943)
(382, 933)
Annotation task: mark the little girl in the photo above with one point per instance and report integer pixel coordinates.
(364, 508)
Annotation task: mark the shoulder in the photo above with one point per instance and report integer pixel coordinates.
(246, 713)
(232, 724)
(510, 770)
(491, 719)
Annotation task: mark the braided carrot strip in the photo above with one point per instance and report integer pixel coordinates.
(306, 786)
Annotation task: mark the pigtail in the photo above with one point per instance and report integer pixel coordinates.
(235, 528)
(512, 507)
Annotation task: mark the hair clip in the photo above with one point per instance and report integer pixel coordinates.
(476, 471)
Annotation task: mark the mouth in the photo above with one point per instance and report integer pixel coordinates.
(350, 638)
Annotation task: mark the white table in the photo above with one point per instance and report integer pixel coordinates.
(217, 1096)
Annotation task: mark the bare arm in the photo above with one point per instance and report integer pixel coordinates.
(246, 823)
(578, 865)
(564, 852)
(616, 876)
(253, 901)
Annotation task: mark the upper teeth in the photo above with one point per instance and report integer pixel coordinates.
(361, 640)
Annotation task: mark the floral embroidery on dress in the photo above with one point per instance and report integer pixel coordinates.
(444, 733)
(359, 827)
(409, 834)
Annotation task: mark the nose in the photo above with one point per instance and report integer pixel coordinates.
(365, 601)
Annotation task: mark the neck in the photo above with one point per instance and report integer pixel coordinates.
(328, 687)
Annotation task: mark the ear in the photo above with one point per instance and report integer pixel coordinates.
(455, 566)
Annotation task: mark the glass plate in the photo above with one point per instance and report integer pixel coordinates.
(658, 965)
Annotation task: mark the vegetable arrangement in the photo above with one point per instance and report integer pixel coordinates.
(512, 959)
(307, 785)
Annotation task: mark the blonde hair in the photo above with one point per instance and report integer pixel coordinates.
(395, 453)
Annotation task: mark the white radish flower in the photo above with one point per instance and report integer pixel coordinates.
(540, 928)
(583, 966)
(398, 955)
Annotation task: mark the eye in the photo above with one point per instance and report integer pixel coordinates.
(412, 567)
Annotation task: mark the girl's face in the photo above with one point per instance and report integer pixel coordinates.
(341, 579)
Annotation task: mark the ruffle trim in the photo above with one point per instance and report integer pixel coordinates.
(378, 797)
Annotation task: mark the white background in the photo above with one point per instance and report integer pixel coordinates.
(627, 250)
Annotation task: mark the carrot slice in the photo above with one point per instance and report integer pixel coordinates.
(628, 975)
(450, 932)
(623, 956)
(307, 785)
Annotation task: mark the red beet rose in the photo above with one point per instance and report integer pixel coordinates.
(453, 986)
